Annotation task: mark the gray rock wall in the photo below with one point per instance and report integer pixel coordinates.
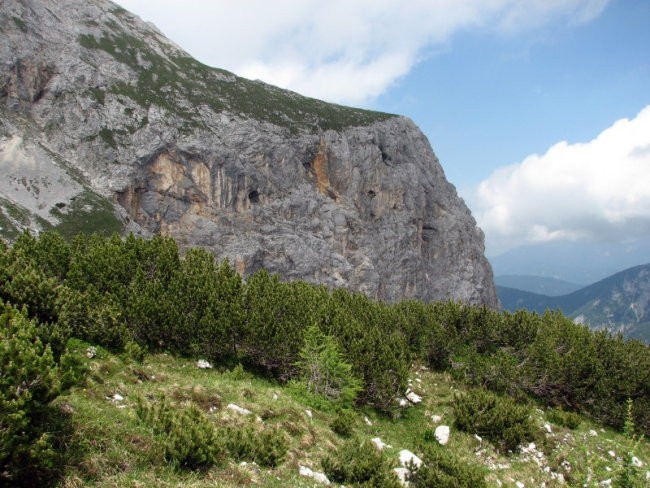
(261, 176)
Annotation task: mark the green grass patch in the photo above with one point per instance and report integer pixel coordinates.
(168, 82)
(88, 213)
(14, 218)
(111, 446)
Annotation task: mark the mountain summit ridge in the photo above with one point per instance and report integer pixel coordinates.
(256, 174)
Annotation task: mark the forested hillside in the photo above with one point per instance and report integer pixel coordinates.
(142, 297)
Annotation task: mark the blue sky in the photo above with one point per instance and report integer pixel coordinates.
(534, 107)
(489, 99)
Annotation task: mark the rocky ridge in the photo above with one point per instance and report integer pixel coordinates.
(102, 108)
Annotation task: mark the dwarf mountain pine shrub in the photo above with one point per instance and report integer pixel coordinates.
(30, 379)
(360, 463)
(570, 420)
(266, 447)
(343, 423)
(441, 468)
(186, 436)
(496, 418)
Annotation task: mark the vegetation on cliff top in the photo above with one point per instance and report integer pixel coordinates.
(171, 80)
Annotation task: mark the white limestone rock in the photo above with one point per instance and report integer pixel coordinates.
(237, 409)
(442, 434)
(362, 204)
(402, 475)
(406, 458)
(203, 364)
(413, 397)
(381, 445)
(315, 475)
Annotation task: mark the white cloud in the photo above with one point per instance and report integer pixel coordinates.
(339, 50)
(598, 190)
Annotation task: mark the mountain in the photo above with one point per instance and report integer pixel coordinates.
(580, 262)
(536, 284)
(105, 124)
(619, 303)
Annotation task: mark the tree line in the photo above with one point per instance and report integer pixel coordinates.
(144, 294)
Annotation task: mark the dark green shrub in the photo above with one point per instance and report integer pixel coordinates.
(429, 435)
(25, 284)
(343, 423)
(496, 371)
(271, 448)
(496, 418)
(276, 315)
(93, 317)
(188, 439)
(134, 351)
(360, 463)
(266, 447)
(570, 420)
(31, 378)
(442, 469)
(204, 307)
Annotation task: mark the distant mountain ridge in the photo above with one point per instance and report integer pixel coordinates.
(576, 262)
(618, 303)
(537, 284)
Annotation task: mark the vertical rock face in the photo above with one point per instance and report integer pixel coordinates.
(259, 175)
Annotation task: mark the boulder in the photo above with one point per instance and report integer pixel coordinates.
(442, 434)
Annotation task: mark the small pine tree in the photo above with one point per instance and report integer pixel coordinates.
(324, 369)
(630, 476)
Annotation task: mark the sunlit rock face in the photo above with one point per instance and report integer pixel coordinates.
(258, 175)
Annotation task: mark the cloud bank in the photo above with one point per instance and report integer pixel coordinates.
(598, 190)
(340, 50)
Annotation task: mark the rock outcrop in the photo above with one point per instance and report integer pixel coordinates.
(258, 175)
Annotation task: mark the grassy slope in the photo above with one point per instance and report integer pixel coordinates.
(89, 212)
(112, 448)
(174, 81)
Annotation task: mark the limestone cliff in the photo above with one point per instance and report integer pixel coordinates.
(260, 175)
